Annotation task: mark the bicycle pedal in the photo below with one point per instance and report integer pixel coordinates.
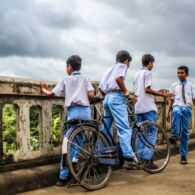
(72, 183)
(139, 167)
(136, 167)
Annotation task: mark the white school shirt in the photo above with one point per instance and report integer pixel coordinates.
(75, 88)
(145, 102)
(108, 80)
(189, 89)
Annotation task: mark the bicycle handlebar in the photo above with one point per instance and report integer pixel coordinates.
(95, 100)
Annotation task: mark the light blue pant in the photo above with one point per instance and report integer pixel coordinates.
(115, 106)
(144, 152)
(79, 112)
(181, 116)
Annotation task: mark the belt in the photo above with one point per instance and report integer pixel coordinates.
(114, 91)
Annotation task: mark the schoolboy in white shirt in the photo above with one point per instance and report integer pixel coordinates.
(145, 107)
(77, 89)
(181, 107)
(113, 88)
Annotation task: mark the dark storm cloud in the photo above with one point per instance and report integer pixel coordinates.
(36, 37)
(159, 26)
(33, 28)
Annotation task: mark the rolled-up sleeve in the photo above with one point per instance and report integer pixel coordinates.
(89, 84)
(148, 79)
(59, 89)
(121, 71)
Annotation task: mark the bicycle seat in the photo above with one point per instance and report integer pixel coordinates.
(95, 100)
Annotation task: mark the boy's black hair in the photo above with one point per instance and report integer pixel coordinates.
(146, 59)
(122, 56)
(75, 62)
(185, 68)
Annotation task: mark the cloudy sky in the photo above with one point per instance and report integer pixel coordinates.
(37, 36)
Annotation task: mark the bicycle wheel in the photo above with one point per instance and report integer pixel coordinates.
(152, 147)
(81, 161)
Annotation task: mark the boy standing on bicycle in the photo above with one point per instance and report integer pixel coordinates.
(77, 89)
(181, 107)
(145, 107)
(112, 86)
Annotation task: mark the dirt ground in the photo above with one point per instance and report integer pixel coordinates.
(176, 179)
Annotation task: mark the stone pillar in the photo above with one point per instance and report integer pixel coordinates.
(23, 133)
(46, 125)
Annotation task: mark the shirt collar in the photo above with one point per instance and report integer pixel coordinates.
(118, 63)
(75, 73)
(144, 68)
(183, 82)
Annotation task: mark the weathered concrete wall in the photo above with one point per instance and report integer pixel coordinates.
(26, 93)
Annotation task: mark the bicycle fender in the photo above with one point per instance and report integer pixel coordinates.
(64, 145)
(68, 134)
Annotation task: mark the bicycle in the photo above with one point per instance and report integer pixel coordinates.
(94, 153)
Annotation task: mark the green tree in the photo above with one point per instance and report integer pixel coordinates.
(9, 128)
(34, 127)
(56, 130)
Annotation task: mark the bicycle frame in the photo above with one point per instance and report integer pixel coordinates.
(112, 155)
(108, 155)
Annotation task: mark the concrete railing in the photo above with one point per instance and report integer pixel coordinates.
(24, 94)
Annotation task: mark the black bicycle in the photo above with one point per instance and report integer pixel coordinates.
(91, 153)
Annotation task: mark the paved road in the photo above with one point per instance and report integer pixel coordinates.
(175, 180)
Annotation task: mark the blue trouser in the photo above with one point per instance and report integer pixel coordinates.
(145, 152)
(116, 107)
(181, 116)
(79, 112)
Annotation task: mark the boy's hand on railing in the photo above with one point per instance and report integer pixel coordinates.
(43, 85)
(91, 94)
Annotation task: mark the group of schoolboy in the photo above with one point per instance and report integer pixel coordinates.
(77, 90)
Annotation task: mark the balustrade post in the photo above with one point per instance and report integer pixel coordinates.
(46, 124)
(23, 130)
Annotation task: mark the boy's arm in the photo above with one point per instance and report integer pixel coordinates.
(149, 90)
(120, 82)
(90, 89)
(148, 84)
(44, 89)
(171, 101)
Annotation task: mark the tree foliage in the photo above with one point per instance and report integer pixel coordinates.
(56, 130)
(9, 128)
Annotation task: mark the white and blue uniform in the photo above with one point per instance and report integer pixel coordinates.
(75, 88)
(182, 112)
(145, 109)
(115, 106)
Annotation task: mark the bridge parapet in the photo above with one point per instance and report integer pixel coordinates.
(25, 94)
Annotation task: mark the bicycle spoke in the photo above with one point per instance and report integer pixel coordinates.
(87, 172)
(151, 145)
(80, 148)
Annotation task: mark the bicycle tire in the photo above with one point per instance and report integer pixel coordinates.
(87, 172)
(157, 148)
